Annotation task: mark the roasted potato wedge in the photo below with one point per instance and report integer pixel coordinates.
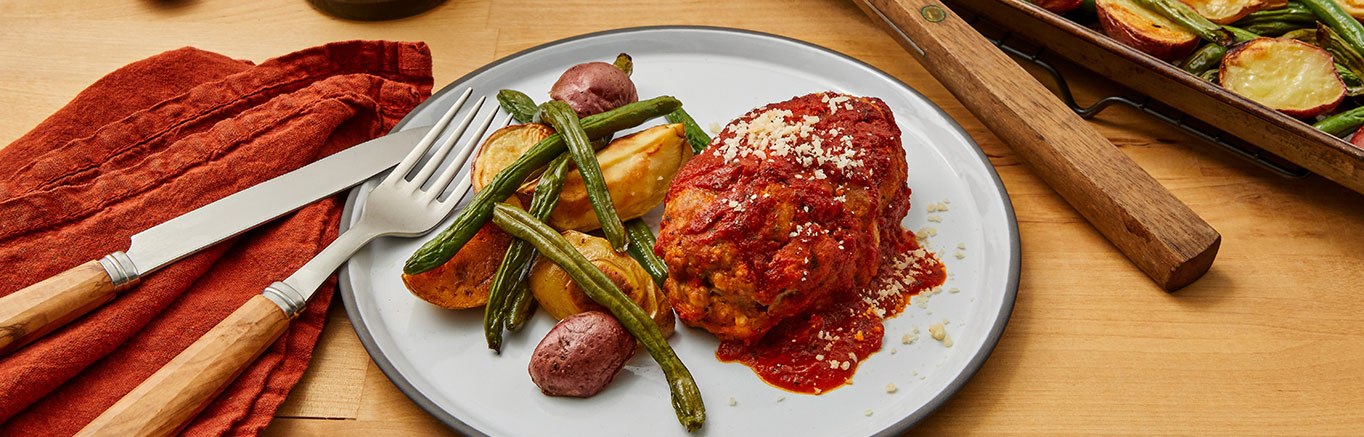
(561, 297)
(464, 280)
(638, 169)
(1225, 11)
(1290, 76)
(503, 147)
(1134, 25)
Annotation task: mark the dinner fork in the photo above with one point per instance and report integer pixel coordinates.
(167, 400)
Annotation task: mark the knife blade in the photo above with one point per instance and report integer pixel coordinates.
(32, 312)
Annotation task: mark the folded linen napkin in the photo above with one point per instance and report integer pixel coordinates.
(154, 140)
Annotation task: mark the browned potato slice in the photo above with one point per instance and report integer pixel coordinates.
(502, 147)
(463, 281)
(1134, 25)
(1290, 76)
(1226, 11)
(561, 297)
(638, 169)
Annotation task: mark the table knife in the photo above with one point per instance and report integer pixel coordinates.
(36, 310)
(1160, 234)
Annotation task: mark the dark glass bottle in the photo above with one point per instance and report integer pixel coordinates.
(374, 10)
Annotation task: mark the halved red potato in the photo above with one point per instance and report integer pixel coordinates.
(1226, 11)
(1288, 75)
(1353, 7)
(1058, 6)
(1358, 139)
(1134, 25)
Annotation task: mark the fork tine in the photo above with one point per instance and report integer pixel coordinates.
(437, 158)
(400, 171)
(450, 172)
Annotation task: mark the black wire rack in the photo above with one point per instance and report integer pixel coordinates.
(1023, 49)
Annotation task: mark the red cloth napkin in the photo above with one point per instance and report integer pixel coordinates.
(154, 140)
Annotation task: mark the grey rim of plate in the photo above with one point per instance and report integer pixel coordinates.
(996, 331)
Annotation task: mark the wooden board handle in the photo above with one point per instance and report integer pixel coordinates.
(28, 314)
(1160, 234)
(166, 401)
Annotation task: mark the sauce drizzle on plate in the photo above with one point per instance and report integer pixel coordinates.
(820, 352)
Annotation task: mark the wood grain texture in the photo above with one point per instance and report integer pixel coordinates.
(32, 312)
(1269, 343)
(1161, 235)
(168, 399)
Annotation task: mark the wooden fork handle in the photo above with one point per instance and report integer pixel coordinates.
(32, 312)
(1160, 234)
(166, 401)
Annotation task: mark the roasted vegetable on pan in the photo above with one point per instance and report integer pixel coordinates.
(1304, 58)
(1145, 30)
(1298, 79)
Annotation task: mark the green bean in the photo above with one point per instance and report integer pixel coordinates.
(564, 120)
(1241, 35)
(1330, 12)
(1293, 13)
(1343, 124)
(518, 104)
(522, 306)
(1275, 28)
(1210, 55)
(1307, 35)
(520, 254)
(695, 136)
(1211, 76)
(624, 63)
(642, 249)
(1333, 43)
(686, 397)
(1186, 16)
(1354, 86)
(479, 210)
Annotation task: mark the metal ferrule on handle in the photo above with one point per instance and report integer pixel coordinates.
(289, 300)
(122, 273)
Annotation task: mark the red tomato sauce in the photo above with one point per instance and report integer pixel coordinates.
(815, 353)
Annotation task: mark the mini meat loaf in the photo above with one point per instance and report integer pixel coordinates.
(790, 207)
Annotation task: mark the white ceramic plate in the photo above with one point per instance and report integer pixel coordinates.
(438, 357)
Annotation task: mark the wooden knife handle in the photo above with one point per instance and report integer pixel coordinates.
(36, 310)
(1161, 235)
(166, 401)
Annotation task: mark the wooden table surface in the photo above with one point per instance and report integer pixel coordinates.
(1270, 342)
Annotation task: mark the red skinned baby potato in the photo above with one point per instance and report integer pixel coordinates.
(1058, 6)
(581, 355)
(1141, 29)
(593, 88)
(1290, 76)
